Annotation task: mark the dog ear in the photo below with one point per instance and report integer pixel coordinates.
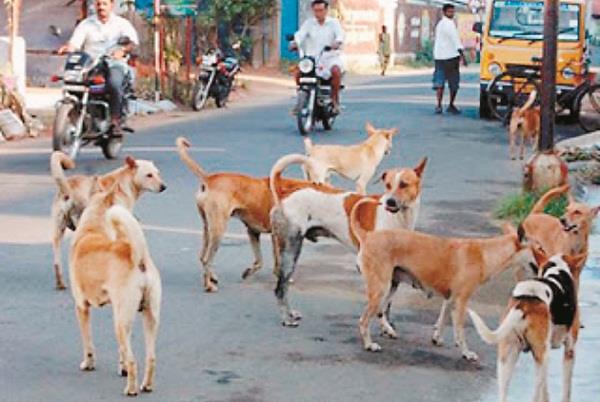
(595, 210)
(540, 256)
(576, 262)
(370, 129)
(421, 167)
(509, 229)
(130, 162)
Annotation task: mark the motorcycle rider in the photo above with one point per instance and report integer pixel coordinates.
(314, 35)
(97, 34)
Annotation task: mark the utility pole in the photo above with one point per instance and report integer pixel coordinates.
(157, 66)
(548, 88)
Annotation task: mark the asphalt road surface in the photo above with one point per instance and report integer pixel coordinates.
(230, 346)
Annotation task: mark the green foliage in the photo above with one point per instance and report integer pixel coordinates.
(240, 13)
(516, 207)
(425, 53)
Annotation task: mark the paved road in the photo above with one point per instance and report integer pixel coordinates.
(229, 346)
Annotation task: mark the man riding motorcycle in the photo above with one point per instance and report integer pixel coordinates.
(317, 34)
(97, 34)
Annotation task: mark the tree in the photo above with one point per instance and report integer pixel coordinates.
(13, 11)
(238, 16)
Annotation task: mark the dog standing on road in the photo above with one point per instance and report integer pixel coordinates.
(524, 123)
(314, 210)
(110, 263)
(541, 314)
(355, 162)
(74, 194)
(454, 268)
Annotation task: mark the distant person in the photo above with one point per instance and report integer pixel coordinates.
(384, 50)
(447, 52)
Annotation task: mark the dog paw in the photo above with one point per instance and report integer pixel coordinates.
(130, 392)
(248, 273)
(295, 315)
(122, 371)
(373, 347)
(290, 323)
(87, 365)
(437, 340)
(390, 333)
(470, 356)
(214, 279)
(61, 286)
(211, 288)
(147, 388)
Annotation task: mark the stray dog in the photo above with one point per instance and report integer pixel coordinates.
(316, 210)
(454, 268)
(541, 314)
(524, 123)
(567, 235)
(223, 195)
(110, 263)
(355, 162)
(74, 195)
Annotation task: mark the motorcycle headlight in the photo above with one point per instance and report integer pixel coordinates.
(495, 69)
(73, 76)
(568, 73)
(306, 66)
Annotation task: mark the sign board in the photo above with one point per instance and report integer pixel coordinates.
(172, 8)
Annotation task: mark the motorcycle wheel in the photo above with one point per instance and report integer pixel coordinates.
(222, 98)
(328, 122)
(304, 121)
(200, 96)
(112, 147)
(64, 129)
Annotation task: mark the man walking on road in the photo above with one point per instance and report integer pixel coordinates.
(447, 52)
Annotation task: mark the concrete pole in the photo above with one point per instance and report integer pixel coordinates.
(548, 89)
(157, 72)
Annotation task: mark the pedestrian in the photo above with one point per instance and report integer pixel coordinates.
(383, 50)
(447, 53)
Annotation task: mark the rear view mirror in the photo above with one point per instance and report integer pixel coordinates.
(289, 37)
(477, 27)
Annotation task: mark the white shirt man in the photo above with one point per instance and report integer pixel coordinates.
(313, 37)
(95, 37)
(447, 41)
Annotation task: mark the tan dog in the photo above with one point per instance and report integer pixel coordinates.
(524, 123)
(223, 195)
(454, 268)
(110, 263)
(541, 314)
(314, 210)
(74, 193)
(567, 235)
(355, 162)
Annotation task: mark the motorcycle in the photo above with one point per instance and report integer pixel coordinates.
(83, 113)
(216, 78)
(314, 102)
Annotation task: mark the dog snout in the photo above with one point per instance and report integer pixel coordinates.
(162, 187)
(391, 203)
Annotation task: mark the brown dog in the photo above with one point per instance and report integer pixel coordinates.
(110, 263)
(454, 268)
(541, 314)
(567, 235)
(355, 162)
(74, 193)
(524, 123)
(312, 211)
(223, 195)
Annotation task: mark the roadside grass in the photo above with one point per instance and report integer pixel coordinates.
(516, 207)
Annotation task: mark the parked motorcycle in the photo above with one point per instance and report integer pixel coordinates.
(314, 99)
(83, 114)
(216, 78)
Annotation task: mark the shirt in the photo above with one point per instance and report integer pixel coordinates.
(447, 42)
(313, 37)
(95, 38)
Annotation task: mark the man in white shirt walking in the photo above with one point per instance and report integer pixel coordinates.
(97, 34)
(317, 33)
(447, 52)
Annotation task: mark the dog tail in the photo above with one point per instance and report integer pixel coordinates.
(509, 323)
(279, 167)
(308, 145)
(355, 227)
(58, 163)
(182, 149)
(122, 225)
(530, 101)
(539, 206)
